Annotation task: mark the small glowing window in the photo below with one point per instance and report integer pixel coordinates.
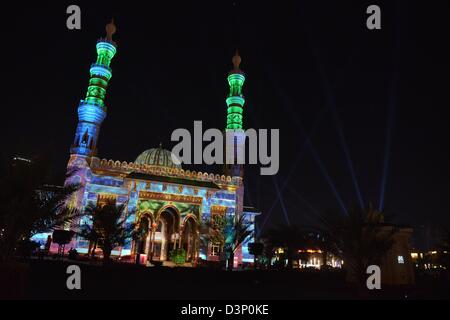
(215, 250)
(400, 259)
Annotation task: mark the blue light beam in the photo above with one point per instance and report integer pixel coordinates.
(283, 207)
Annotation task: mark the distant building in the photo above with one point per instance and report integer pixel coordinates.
(434, 262)
(317, 258)
(396, 264)
(18, 161)
(397, 267)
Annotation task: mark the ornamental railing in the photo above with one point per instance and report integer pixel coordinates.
(129, 167)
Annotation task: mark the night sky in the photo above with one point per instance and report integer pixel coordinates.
(374, 101)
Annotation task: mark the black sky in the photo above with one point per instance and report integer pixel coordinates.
(312, 68)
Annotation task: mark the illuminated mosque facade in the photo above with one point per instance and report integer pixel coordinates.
(169, 202)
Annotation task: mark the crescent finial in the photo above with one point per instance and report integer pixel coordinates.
(110, 29)
(236, 60)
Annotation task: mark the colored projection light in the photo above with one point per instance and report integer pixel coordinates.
(100, 73)
(92, 110)
(235, 100)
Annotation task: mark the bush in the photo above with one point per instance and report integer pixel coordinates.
(178, 256)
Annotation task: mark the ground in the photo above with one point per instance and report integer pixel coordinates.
(47, 280)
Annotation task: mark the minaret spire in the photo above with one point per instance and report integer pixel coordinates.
(92, 110)
(110, 30)
(236, 60)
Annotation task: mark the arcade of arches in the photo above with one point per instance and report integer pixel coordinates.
(156, 239)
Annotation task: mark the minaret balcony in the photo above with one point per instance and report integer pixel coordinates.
(106, 45)
(235, 100)
(80, 150)
(91, 112)
(101, 70)
(238, 78)
(106, 41)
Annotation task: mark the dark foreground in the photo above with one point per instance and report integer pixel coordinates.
(47, 280)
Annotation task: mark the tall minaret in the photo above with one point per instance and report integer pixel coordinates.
(235, 108)
(91, 113)
(236, 136)
(92, 110)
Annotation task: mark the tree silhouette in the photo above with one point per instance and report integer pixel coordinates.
(108, 226)
(28, 206)
(227, 231)
(237, 230)
(357, 238)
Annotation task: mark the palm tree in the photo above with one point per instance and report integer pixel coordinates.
(356, 238)
(28, 206)
(228, 232)
(54, 209)
(237, 230)
(108, 226)
(213, 230)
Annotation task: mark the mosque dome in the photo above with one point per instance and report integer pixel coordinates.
(158, 157)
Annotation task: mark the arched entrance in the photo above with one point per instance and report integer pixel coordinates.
(143, 233)
(189, 238)
(166, 234)
(142, 237)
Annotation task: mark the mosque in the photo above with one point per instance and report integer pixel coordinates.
(170, 202)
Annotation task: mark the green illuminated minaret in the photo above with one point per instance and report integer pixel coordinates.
(235, 100)
(235, 134)
(235, 109)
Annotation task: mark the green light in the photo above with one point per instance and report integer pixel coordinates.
(98, 82)
(105, 52)
(100, 73)
(235, 110)
(235, 100)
